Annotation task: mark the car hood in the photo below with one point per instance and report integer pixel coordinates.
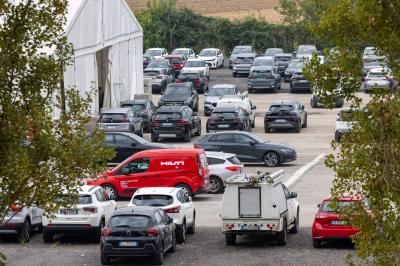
(212, 99)
(207, 58)
(175, 97)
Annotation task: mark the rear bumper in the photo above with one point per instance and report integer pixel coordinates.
(172, 131)
(11, 228)
(64, 228)
(286, 125)
(215, 128)
(146, 251)
(324, 233)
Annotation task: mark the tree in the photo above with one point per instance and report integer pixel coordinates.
(41, 156)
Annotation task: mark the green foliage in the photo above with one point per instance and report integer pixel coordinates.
(41, 156)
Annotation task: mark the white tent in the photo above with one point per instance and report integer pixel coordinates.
(108, 47)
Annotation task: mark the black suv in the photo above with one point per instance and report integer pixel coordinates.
(145, 109)
(285, 115)
(198, 79)
(176, 120)
(180, 94)
(228, 118)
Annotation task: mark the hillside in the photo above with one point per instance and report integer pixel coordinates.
(230, 9)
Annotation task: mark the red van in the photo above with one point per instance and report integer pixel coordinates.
(186, 168)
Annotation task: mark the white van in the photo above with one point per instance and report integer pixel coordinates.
(259, 204)
(242, 101)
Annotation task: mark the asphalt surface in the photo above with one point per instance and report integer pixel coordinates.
(207, 246)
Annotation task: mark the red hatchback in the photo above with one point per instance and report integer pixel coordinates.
(329, 225)
(177, 61)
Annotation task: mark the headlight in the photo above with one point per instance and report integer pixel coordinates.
(287, 151)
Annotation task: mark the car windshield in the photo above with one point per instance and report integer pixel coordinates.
(151, 73)
(135, 221)
(327, 206)
(158, 64)
(245, 60)
(146, 57)
(282, 58)
(373, 63)
(180, 51)
(181, 90)
(296, 65)
(281, 107)
(194, 64)
(221, 91)
(208, 53)
(189, 76)
(153, 200)
(82, 199)
(166, 116)
(241, 50)
(273, 51)
(154, 52)
(264, 62)
(306, 50)
(109, 118)
(135, 106)
(261, 74)
(224, 114)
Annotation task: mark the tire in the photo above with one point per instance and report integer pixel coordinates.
(298, 128)
(181, 233)
(249, 90)
(216, 185)
(40, 229)
(316, 243)
(253, 124)
(230, 239)
(24, 235)
(305, 123)
(173, 247)
(187, 189)
(188, 135)
(154, 138)
(198, 133)
(314, 104)
(267, 130)
(234, 74)
(192, 229)
(271, 159)
(97, 236)
(140, 133)
(296, 227)
(48, 237)
(110, 189)
(282, 236)
(196, 109)
(104, 259)
(159, 256)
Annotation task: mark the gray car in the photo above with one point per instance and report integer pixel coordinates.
(291, 68)
(215, 93)
(378, 78)
(145, 108)
(242, 64)
(282, 61)
(306, 50)
(264, 77)
(160, 78)
(273, 51)
(121, 120)
(240, 49)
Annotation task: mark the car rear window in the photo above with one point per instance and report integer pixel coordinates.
(264, 62)
(109, 118)
(376, 75)
(82, 199)
(189, 76)
(239, 50)
(224, 114)
(135, 221)
(221, 91)
(153, 200)
(281, 107)
(234, 160)
(165, 116)
(282, 58)
(327, 206)
(175, 61)
(135, 107)
(181, 90)
(261, 74)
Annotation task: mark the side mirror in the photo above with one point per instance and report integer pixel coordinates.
(302, 107)
(253, 107)
(293, 195)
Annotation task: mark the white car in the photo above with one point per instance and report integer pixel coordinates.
(259, 205)
(242, 101)
(89, 216)
(174, 202)
(187, 52)
(158, 53)
(213, 57)
(21, 221)
(222, 166)
(196, 65)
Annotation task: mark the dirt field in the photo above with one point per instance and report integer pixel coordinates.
(230, 9)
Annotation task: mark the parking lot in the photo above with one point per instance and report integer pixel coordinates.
(307, 176)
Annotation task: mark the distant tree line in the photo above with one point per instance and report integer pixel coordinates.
(167, 26)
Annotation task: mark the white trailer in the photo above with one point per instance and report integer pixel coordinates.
(259, 204)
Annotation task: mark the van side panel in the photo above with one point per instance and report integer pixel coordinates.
(281, 198)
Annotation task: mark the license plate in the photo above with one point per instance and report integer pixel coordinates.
(128, 244)
(112, 127)
(339, 222)
(167, 124)
(303, 81)
(68, 211)
(223, 126)
(249, 227)
(280, 120)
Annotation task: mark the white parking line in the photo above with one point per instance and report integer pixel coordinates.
(299, 173)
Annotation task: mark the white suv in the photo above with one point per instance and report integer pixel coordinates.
(242, 101)
(90, 215)
(174, 202)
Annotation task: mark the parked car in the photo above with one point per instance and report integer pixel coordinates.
(264, 77)
(180, 94)
(228, 118)
(158, 53)
(222, 166)
(329, 225)
(213, 57)
(241, 49)
(285, 115)
(215, 93)
(146, 60)
(299, 83)
(177, 62)
(282, 61)
(197, 78)
(248, 147)
(21, 221)
(145, 108)
(121, 120)
(316, 103)
(273, 51)
(161, 64)
(369, 51)
(196, 65)
(88, 217)
(306, 50)
(242, 64)
(127, 144)
(184, 168)
(180, 121)
(187, 52)
(174, 202)
(242, 101)
(291, 68)
(138, 232)
(371, 62)
(381, 78)
(259, 205)
(263, 61)
(161, 77)
(344, 123)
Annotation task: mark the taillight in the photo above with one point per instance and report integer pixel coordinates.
(233, 168)
(197, 81)
(155, 122)
(173, 210)
(106, 232)
(15, 208)
(90, 209)
(181, 122)
(152, 231)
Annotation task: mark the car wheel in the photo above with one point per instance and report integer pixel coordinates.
(314, 104)
(186, 189)
(196, 109)
(181, 233)
(198, 133)
(234, 74)
(159, 256)
(192, 229)
(296, 227)
(188, 135)
(216, 185)
(249, 90)
(282, 235)
(173, 246)
(253, 124)
(97, 236)
(40, 229)
(104, 259)
(298, 127)
(271, 159)
(305, 123)
(47, 237)
(316, 243)
(140, 133)
(230, 239)
(154, 138)
(111, 191)
(267, 130)
(24, 235)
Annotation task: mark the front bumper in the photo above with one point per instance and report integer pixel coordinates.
(212, 64)
(288, 157)
(370, 86)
